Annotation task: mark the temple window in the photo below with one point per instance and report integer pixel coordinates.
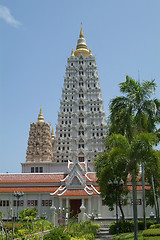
(81, 159)
(32, 202)
(4, 203)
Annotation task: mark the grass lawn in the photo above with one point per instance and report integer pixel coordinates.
(127, 236)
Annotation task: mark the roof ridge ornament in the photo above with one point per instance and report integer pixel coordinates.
(81, 35)
(52, 134)
(40, 116)
(72, 53)
(90, 52)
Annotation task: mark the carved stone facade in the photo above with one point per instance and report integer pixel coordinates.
(39, 143)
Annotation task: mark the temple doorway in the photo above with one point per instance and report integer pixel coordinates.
(75, 207)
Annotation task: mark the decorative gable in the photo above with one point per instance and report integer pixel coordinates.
(75, 181)
(76, 177)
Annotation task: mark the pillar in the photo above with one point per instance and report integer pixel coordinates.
(67, 208)
(53, 213)
(89, 206)
(99, 207)
(60, 203)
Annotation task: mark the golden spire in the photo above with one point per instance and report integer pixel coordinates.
(81, 35)
(40, 116)
(72, 53)
(52, 134)
(90, 52)
(81, 48)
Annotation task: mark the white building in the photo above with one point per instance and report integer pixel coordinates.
(59, 172)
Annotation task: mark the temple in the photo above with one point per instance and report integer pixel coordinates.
(58, 175)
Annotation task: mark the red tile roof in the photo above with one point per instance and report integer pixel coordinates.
(92, 176)
(31, 178)
(139, 188)
(20, 179)
(77, 192)
(27, 189)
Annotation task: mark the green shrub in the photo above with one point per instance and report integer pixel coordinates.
(151, 238)
(112, 228)
(86, 237)
(128, 226)
(151, 232)
(123, 227)
(42, 225)
(57, 234)
(83, 228)
(28, 213)
(141, 224)
(149, 223)
(22, 232)
(155, 226)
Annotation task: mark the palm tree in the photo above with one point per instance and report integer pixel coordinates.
(135, 112)
(120, 159)
(112, 171)
(152, 173)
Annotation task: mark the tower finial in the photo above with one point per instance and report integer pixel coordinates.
(81, 48)
(40, 116)
(81, 35)
(90, 52)
(72, 53)
(52, 134)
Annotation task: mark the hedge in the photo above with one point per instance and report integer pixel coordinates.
(151, 232)
(155, 226)
(128, 226)
(151, 238)
(88, 236)
(123, 227)
(57, 234)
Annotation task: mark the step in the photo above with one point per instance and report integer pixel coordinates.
(104, 234)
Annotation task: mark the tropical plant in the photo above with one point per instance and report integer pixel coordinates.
(136, 111)
(76, 231)
(152, 173)
(57, 234)
(28, 213)
(112, 171)
(120, 159)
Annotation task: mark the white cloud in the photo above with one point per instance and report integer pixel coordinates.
(6, 15)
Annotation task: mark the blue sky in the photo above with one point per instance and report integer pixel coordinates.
(36, 37)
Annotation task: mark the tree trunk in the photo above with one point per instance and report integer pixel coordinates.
(157, 209)
(155, 200)
(143, 197)
(134, 185)
(121, 209)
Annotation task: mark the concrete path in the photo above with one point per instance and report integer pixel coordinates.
(104, 234)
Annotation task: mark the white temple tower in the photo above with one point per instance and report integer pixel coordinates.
(80, 132)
